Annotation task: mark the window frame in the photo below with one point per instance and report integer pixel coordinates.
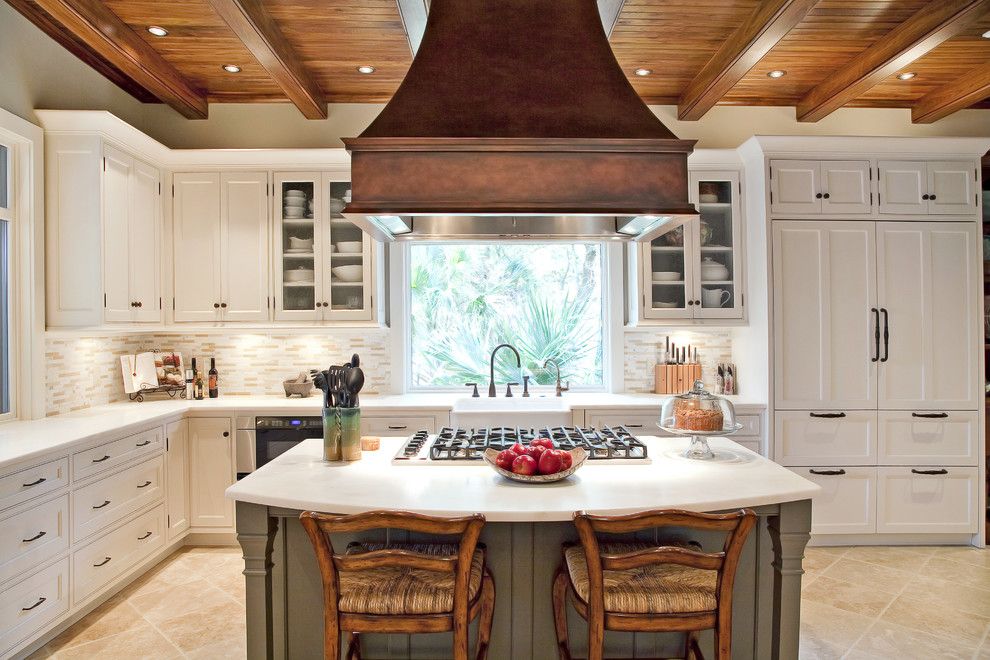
(8, 318)
(400, 305)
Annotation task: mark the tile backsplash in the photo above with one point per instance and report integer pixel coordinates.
(84, 371)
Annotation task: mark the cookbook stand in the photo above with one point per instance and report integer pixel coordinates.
(171, 390)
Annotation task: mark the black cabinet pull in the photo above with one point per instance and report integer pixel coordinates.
(828, 415)
(216, 305)
(100, 506)
(931, 197)
(876, 333)
(826, 195)
(34, 538)
(634, 426)
(102, 563)
(827, 473)
(397, 427)
(39, 480)
(925, 197)
(141, 538)
(100, 460)
(40, 601)
(886, 335)
(143, 444)
(223, 305)
(145, 484)
(940, 415)
(818, 196)
(917, 471)
(226, 434)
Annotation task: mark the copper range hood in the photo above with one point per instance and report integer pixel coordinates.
(516, 121)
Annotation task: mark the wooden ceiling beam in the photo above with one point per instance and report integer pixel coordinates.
(923, 31)
(259, 33)
(100, 29)
(748, 44)
(969, 88)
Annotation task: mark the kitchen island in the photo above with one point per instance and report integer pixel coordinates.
(526, 525)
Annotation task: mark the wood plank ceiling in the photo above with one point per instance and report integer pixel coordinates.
(699, 53)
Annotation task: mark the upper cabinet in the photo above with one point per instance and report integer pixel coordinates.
(820, 187)
(928, 187)
(695, 271)
(103, 234)
(323, 262)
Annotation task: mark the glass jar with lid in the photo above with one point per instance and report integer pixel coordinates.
(698, 414)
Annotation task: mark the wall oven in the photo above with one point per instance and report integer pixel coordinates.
(276, 435)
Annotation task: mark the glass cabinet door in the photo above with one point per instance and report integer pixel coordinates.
(298, 257)
(666, 275)
(717, 262)
(348, 274)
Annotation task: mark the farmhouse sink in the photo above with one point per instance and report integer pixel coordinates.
(534, 411)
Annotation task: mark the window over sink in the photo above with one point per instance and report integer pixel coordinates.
(6, 276)
(547, 300)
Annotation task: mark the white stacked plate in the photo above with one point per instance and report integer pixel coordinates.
(349, 247)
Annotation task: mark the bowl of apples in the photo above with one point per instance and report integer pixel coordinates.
(539, 462)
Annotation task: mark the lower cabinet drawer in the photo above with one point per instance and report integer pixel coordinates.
(815, 437)
(23, 485)
(32, 537)
(928, 499)
(30, 605)
(109, 556)
(919, 437)
(396, 426)
(116, 452)
(848, 501)
(116, 496)
(637, 422)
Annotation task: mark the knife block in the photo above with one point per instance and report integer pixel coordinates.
(675, 378)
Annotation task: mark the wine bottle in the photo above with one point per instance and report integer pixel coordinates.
(213, 377)
(199, 386)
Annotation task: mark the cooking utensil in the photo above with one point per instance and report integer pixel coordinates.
(353, 383)
(355, 360)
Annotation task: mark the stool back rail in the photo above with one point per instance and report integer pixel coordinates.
(320, 525)
(736, 525)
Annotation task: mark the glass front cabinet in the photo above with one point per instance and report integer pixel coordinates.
(695, 271)
(323, 268)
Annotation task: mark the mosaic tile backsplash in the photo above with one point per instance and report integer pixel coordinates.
(84, 371)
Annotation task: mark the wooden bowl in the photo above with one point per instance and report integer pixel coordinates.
(578, 457)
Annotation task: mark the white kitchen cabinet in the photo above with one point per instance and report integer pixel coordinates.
(104, 229)
(313, 242)
(177, 478)
(221, 245)
(824, 318)
(827, 187)
(847, 503)
(929, 298)
(919, 437)
(928, 187)
(930, 499)
(211, 461)
(696, 271)
(814, 437)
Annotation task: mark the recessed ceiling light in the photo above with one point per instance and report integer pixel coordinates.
(157, 31)
(366, 68)
(777, 73)
(986, 35)
(231, 68)
(643, 72)
(907, 75)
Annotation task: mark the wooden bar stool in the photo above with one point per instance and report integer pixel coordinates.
(642, 587)
(403, 587)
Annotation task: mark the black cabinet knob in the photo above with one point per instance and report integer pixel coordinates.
(690, 302)
(924, 197)
(224, 305)
(216, 305)
(226, 434)
(139, 303)
(826, 195)
(931, 197)
(818, 196)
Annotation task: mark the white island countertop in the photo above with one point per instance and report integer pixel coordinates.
(300, 479)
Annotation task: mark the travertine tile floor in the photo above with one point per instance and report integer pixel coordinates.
(922, 603)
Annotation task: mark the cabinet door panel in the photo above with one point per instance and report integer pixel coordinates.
(144, 238)
(848, 501)
(929, 436)
(952, 188)
(301, 241)
(245, 254)
(669, 257)
(116, 244)
(846, 187)
(211, 460)
(794, 185)
(927, 499)
(927, 282)
(814, 437)
(177, 474)
(824, 289)
(902, 184)
(721, 242)
(196, 228)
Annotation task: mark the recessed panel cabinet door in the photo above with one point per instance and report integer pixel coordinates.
(825, 347)
(211, 461)
(244, 200)
(177, 475)
(794, 186)
(116, 243)
(846, 187)
(952, 188)
(144, 238)
(903, 187)
(928, 288)
(196, 229)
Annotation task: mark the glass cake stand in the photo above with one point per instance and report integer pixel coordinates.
(699, 449)
(698, 400)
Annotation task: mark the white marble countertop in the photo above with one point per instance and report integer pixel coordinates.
(24, 440)
(300, 479)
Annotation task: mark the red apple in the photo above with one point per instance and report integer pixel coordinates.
(524, 465)
(551, 461)
(505, 458)
(566, 460)
(535, 451)
(518, 449)
(543, 442)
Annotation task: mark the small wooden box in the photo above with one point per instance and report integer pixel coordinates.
(675, 378)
